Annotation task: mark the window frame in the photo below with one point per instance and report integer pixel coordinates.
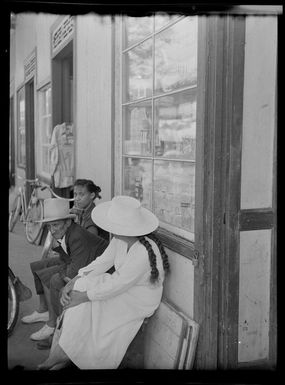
(21, 164)
(171, 240)
(40, 90)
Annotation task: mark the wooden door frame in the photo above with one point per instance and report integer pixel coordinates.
(221, 93)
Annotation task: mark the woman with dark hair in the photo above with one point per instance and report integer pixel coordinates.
(103, 312)
(85, 192)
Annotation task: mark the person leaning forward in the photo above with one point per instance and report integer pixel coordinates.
(77, 247)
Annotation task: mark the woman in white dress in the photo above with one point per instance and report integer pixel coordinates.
(103, 312)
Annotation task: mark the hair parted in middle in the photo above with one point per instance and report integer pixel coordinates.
(90, 186)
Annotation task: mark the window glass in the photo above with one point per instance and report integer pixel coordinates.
(21, 128)
(138, 72)
(137, 28)
(175, 125)
(161, 19)
(174, 193)
(176, 56)
(159, 132)
(138, 129)
(138, 179)
(45, 126)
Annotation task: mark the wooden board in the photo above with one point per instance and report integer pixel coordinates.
(168, 338)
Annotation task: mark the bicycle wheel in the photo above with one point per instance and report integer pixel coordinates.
(34, 213)
(15, 213)
(13, 303)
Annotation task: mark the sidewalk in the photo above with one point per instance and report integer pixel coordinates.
(21, 349)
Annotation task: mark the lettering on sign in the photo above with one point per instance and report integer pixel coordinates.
(62, 33)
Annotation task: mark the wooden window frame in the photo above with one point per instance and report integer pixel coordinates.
(20, 89)
(43, 174)
(172, 241)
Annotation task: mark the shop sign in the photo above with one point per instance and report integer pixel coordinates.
(62, 33)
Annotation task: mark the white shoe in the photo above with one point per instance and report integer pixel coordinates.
(43, 333)
(36, 317)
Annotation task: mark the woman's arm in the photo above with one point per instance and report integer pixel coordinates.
(134, 268)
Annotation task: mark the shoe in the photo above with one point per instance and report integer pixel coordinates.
(43, 333)
(36, 317)
(45, 344)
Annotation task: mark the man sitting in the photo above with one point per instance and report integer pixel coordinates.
(77, 247)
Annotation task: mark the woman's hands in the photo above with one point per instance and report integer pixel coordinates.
(65, 297)
(75, 298)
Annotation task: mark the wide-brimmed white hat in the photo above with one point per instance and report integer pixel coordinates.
(124, 215)
(56, 209)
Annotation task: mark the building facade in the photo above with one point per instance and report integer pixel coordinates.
(179, 111)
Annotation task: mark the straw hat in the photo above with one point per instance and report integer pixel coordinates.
(124, 215)
(56, 209)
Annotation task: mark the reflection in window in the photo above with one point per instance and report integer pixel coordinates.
(138, 72)
(138, 129)
(21, 128)
(138, 179)
(174, 193)
(137, 28)
(159, 132)
(175, 125)
(45, 126)
(176, 56)
(161, 19)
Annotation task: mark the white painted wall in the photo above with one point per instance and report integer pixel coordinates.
(44, 22)
(179, 285)
(25, 42)
(254, 293)
(258, 111)
(92, 74)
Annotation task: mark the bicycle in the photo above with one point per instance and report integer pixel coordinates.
(17, 292)
(30, 214)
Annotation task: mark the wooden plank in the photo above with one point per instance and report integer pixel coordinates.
(206, 274)
(175, 243)
(232, 130)
(192, 344)
(164, 337)
(256, 219)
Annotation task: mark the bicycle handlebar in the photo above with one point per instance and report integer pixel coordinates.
(28, 180)
(55, 195)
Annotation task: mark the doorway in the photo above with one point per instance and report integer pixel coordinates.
(30, 134)
(62, 97)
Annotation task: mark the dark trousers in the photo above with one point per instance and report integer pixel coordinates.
(45, 273)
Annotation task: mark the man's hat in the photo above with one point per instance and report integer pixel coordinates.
(124, 215)
(56, 209)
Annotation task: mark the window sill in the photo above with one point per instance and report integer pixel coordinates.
(176, 243)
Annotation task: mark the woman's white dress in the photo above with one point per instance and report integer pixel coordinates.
(97, 333)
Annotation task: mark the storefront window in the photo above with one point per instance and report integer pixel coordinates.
(159, 117)
(45, 127)
(21, 156)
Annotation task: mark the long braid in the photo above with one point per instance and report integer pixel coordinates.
(152, 259)
(164, 256)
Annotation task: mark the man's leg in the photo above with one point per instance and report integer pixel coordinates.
(53, 298)
(41, 271)
(53, 302)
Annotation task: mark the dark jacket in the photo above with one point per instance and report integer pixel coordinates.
(84, 220)
(82, 248)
